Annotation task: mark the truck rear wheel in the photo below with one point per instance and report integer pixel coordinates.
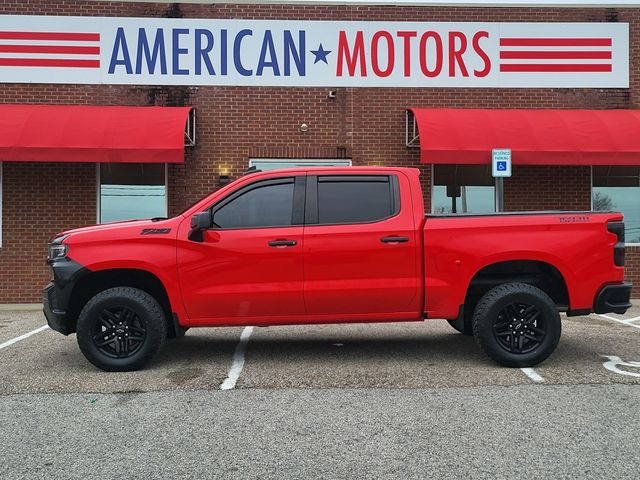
(121, 329)
(517, 325)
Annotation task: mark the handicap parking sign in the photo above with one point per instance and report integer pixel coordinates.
(501, 162)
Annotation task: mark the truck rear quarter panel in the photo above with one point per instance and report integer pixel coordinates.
(577, 244)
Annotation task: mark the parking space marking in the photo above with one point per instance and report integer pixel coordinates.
(238, 360)
(612, 365)
(623, 322)
(533, 375)
(22, 337)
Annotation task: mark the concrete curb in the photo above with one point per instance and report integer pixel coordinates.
(19, 307)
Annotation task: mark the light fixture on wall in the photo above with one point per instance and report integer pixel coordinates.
(304, 128)
(223, 176)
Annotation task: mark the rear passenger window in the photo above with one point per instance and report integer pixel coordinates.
(357, 198)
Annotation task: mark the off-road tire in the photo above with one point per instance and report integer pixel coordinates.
(491, 313)
(146, 315)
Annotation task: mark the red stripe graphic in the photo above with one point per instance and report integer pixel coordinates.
(49, 49)
(48, 62)
(555, 42)
(555, 67)
(89, 37)
(557, 54)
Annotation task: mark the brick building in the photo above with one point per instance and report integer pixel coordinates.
(254, 122)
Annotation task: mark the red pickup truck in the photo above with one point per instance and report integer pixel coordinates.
(338, 245)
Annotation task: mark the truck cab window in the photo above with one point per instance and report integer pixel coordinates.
(267, 205)
(355, 199)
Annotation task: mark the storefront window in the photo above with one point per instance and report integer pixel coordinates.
(0, 204)
(463, 189)
(131, 191)
(273, 163)
(618, 188)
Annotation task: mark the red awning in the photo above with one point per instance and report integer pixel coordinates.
(83, 133)
(535, 137)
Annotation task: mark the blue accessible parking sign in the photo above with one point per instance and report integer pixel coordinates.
(501, 162)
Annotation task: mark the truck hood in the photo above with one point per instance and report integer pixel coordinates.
(125, 227)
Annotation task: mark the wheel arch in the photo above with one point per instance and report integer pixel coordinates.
(97, 281)
(538, 273)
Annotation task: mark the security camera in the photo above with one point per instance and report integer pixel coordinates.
(332, 94)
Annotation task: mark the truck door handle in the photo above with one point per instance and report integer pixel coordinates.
(394, 239)
(282, 243)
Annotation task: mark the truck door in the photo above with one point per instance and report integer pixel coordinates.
(248, 267)
(360, 247)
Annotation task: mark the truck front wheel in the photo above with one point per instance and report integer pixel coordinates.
(517, 325)
(121, 329)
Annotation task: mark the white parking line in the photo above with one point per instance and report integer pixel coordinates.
(22, 337)
(623, 322)
(533, 375)
(238, 360)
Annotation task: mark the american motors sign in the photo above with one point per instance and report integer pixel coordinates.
(277, 53)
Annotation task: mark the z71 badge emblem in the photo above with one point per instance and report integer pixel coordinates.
(156, 231)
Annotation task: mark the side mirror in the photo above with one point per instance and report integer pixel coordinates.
(199, 222)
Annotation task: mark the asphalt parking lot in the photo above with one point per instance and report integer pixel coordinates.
(322, 401)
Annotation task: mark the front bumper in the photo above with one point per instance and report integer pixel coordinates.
(613, 299)
(56, 318)
(56, 297)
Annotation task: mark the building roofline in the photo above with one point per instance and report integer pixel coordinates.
(423, 3)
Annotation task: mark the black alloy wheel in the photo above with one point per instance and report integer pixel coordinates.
(119, 332)
(517, 325)
(121, 329)
(519, 328)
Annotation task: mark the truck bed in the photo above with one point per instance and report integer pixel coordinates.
(576, 245)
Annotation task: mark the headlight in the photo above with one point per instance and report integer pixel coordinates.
(57, 251)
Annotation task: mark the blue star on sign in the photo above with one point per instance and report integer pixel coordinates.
(321, 55)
